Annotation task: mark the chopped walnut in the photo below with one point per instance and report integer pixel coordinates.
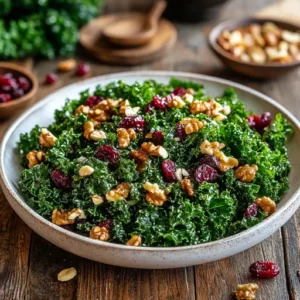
(82, 109)
(99, 233)
(211, 147)
(99, 115)
(47, 139)
(35, 157)
(125, 136)
(97, 200)
(246, 173)
(176, 102)
(266, 204)
(190, 91)
(136, 240)
(246, 291)
(108, 105)
(187, 186)
(192, 125)
(225, 162)
(180, 172)
(121, 192)
(66, 65)
(124, 104)
(139, 155)
(66, 218)
(155, 195)
(153, 150)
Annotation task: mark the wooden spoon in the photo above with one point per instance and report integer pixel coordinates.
(135, 29)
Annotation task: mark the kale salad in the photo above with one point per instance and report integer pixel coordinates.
(151, 164)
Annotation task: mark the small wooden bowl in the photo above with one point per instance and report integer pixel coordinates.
(264, 71)
(8, 109)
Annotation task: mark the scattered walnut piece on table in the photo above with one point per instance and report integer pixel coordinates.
(121, 192)
(136, 240)
(99, 233)
(246, 173)
(266, 204)
(35, 157)
(47, 139)
(246, 291)
(186, 185)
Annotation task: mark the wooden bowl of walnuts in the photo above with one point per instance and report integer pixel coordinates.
(260, 48)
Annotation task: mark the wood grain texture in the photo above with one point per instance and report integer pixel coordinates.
(29, 264)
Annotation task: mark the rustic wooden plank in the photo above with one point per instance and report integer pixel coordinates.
(99, 281)
(14, 250)
(45, 262)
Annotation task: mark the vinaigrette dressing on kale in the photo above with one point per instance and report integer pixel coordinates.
(171, 166)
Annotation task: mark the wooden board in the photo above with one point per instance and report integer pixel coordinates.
(92, 40)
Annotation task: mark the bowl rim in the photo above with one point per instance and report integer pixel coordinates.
(216, 31)
(119, 76)
(26, 73)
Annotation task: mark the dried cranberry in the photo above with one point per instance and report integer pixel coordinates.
(5, 98)
(61, 180)
(251, 211)
(17, 93)
(7, 84)
(158, 137)
(210, 160)
(179, 91)
(135, 122)
(265, 119)
(83, 69)
(107, 153)
(93, 100)
(180, 131)
(149, 108)
(205, 173)
(260, 123)
(169, 169)
(107, 224)
(24, 83)
(161, 102)
(50, 78)
(264, 269)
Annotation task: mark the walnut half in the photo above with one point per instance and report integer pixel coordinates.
(192, 125)
(153, 150)
(186, 185)
(35, 157)
(121, 192)
(246, 173)
(47, 139)
(61, 217)
(99, 233)
(246, 291)
(266, 204)
(125, 136)
(155, 195)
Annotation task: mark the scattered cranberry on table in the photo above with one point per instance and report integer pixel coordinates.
(13, 87)
(50, 78)
(82, 69)
(264, 269)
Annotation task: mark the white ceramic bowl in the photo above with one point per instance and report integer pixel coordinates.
(145, 257)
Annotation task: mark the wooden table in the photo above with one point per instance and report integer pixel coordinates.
(29, 264)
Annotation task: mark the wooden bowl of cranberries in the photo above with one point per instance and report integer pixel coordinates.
(17, 88)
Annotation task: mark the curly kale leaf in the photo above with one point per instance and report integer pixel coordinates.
(278, 133)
